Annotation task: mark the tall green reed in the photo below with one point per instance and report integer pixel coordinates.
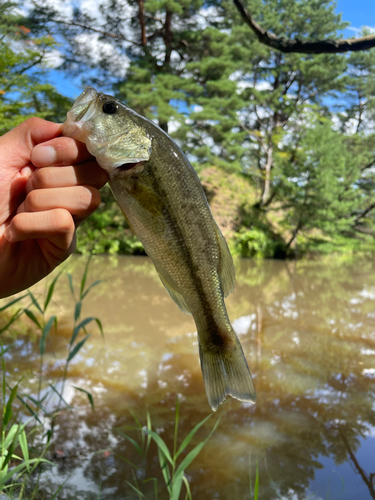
(173, 466)
(14, 469)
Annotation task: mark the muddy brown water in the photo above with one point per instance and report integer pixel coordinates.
(308, 331)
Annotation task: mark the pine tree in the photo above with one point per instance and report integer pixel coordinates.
(23, 88)
(195, 69)
(317, 179)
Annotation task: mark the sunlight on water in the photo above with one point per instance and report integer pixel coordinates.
(308, 331)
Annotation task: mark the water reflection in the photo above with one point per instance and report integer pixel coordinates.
(307, 329)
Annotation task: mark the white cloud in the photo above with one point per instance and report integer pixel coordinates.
(357, 31)
(100, 49)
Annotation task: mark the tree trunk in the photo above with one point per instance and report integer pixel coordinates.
(267, 177)
(141, 15)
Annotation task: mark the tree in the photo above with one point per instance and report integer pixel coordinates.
(288, 45)
(317, 182)
(23, 88)
(228, 99)
(264, 90)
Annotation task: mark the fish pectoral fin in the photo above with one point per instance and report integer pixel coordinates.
(225, 269)
(225, 373)
(176, 296)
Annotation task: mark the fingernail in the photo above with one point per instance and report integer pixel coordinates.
(26, 172)
(8, 233)
(42, 156)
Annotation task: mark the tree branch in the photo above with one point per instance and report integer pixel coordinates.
(288, 45)
(364, 213)
(369, 165)
(96, 30)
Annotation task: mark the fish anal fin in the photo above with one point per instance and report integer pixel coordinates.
(225, 269)
(226, 373)
(176, 296)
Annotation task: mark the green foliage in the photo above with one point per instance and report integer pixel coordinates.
(15, 471)
(253, 243)
(107, 230)
(299, 126)
(24, 90)
(171, 465)
(317, 181)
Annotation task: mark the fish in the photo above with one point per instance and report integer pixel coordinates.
(165, 205)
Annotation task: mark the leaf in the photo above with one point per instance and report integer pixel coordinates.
(149, 427)
(176, 427)
(77, 348)
(25, 449)
(60, 488)
(4, 350)
(59, 395)
(15, 316)
(77, 310)
(132, 441)
(70, 279)
(14, 301)
(10, 443)
(35, 302)
(140, 494)
(190, 436)
(256, 486)
(90, 287)
(195, 451)
(33, 318)
(46, 330)
(84, 278)
(18, 468)
(8, 409)
(10, 436)
(50, 291)
(161, 445)
(176, 488)
(77, 328)
(30, 410)
(164, 469)
(127, 461)
(187, 485)
(99, 323)
(89, 395)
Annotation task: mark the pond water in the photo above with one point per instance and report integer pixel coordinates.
(308, 332)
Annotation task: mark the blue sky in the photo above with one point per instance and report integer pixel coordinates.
(357, 12)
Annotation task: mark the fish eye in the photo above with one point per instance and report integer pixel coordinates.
(110, 107)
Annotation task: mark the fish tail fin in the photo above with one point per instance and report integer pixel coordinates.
(226, 373)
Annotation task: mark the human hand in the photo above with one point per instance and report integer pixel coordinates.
(48, 185)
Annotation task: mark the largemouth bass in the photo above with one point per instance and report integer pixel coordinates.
(163, 200)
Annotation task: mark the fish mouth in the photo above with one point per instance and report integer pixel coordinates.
(82, 110)
(82, 104)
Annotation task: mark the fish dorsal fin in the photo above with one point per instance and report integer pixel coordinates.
(176, 296)
(225, 269)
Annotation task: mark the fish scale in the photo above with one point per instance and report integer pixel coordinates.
(161, 197)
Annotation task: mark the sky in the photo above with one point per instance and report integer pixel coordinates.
(357, 12)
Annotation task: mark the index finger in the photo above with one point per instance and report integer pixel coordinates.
(60, 151)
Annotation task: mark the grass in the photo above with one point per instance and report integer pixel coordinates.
(15, 470)
(173, 462)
